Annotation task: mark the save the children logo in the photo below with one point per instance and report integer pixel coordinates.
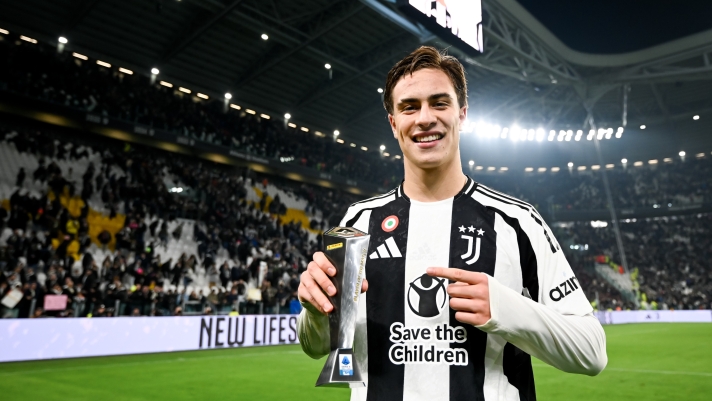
(427, 296)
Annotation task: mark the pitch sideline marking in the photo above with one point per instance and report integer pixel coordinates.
(662, 372)
(114, 365)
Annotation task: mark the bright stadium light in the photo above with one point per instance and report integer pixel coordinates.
(695, 117)
(571, 164)
(540, 134)
(63, 40)
(287, 116)
(505, 131)
(624, 161)
(619, 133)
(379, 90)
(155, 71)
(327, 66)
(382, 147)
(552, 134)
(682, 153)
(471, 163)
(264, 36)
(642, 126)
(228, 96)
(336, 132)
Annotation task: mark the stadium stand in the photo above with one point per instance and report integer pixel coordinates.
(99, 225)
(668, 256)
(169, 221)
(40, 73)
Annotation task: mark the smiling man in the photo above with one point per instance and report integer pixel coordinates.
(509, 294)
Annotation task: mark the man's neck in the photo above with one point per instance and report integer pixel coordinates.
(433, 185)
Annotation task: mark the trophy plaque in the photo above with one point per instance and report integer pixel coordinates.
(346, 249)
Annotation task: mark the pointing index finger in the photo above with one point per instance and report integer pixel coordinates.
(458, 275)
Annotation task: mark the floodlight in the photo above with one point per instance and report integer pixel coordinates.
(62, 40)
(228, 96)
(155, 71)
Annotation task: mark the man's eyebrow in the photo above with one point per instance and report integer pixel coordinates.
(431, 98)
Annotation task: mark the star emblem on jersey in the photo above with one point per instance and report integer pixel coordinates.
(389, 249)
(390, 223)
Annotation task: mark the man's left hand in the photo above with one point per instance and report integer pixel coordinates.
(469, 294)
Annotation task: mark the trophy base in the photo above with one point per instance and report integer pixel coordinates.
(340, 370)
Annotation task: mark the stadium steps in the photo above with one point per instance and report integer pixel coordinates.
(621, 282)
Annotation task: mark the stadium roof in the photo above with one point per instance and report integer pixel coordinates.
(533, 73)
(615, 26)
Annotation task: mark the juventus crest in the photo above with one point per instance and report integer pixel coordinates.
(473, 241)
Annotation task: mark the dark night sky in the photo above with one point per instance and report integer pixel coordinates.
(620, 26)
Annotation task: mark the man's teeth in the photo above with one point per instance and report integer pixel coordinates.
(428, 138)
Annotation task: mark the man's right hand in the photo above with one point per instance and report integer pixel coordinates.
(315, 283)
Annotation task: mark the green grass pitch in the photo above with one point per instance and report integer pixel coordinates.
(646, 362)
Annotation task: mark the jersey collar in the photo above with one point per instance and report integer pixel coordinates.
(467, 189)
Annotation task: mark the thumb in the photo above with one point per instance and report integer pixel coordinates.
(364, 286)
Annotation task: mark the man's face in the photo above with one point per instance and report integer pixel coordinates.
(426, 118)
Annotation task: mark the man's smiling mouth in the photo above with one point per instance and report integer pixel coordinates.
(428, 138)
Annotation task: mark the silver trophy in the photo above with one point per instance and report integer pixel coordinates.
(346, 249)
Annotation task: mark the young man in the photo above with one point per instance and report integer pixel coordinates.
(471, 282)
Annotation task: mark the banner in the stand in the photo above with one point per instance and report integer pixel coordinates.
(655, 316)
(31, 339)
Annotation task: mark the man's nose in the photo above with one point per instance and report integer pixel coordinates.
(426, 117)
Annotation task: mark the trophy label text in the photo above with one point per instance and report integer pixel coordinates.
(335, 246)
(359, 278)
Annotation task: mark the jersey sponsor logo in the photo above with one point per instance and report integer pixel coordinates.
(427, 296)
(389, 249)
(564, 289)
(346, 368)
(419, 345)
(390, 223)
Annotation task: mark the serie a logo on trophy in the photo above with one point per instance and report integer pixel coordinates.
(346, 249)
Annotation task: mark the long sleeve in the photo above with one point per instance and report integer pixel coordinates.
(313, 332)
(572, 343)
(556, 324)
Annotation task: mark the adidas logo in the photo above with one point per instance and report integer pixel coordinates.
(387, 250)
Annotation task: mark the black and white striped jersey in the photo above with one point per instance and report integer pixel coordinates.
(408, 342)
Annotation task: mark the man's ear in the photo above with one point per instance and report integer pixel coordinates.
(463, 115)
(392, 121)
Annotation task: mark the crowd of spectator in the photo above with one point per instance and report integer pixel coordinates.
(671, 257)
(39, 72)
(662, 185)
(129, 181)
